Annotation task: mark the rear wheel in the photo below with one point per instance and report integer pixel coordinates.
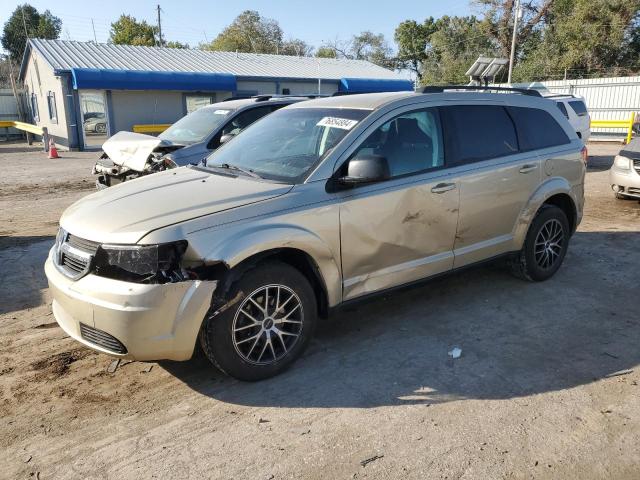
(545, 245)
(268, 327)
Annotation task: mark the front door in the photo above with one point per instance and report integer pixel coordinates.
(400, 230)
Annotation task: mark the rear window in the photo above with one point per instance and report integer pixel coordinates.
(579, 107)
(563, 109)
(537, 129)
(477, 132)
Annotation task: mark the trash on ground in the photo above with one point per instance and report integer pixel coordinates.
(367, 461)
(455, 352)
(113, 366)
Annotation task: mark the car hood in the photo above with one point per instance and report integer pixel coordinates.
(132, 150)
(127, 212)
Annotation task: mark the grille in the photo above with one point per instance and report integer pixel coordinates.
(102, 339)
(636, 165)
(82, 244)
(74, 254)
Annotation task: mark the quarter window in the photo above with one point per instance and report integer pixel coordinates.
(537, 128)
(563, 109)
(411, 142)
(477, 132)
(579, 107)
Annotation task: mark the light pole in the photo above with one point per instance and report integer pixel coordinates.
(513, 40)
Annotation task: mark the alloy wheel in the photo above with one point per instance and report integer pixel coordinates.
(268, 324)
(549, 244)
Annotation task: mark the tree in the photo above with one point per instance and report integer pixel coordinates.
(584, 37)
(326, 52)
(38, 25)
(129, 31)
(175, 44)
(364, 46)
(454, 45)
(412, 39)
(252, 33)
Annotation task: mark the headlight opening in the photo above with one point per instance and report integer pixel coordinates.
(141, 263)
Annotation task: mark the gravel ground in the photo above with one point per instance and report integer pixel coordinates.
(546, 387)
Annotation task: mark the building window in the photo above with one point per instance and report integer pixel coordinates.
(51, 104)
(34, 108)
(286, 91)
(195, 102)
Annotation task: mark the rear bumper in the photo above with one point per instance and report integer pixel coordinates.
(152, 322)
(627, 180)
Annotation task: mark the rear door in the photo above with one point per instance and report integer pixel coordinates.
(496, 179)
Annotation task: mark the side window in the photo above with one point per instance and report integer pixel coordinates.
(537, 128)
(411, 142)
(244, 119)
(34, 108)
(477, 132)
(51, 105)
(579, 107)
(563, 109)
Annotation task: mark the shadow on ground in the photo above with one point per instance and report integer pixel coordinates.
(517, 338)
(22, 279)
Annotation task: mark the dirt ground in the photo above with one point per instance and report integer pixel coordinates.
(546, 387)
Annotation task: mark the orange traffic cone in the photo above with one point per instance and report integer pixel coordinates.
(53, 151)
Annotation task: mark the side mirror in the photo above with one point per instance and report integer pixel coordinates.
(366, 169)
(225, 138)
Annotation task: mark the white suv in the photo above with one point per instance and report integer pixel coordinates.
(575, 110)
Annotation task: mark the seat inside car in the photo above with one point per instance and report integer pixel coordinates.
(407, 147)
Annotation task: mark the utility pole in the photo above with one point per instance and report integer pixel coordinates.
(24, 22)
(513, 40)
(160, 27)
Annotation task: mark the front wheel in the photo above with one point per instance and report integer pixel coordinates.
(268, 327)
(545, 245)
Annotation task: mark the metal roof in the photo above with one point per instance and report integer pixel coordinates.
(64, 55)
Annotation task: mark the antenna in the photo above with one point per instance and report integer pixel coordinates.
(94, 31)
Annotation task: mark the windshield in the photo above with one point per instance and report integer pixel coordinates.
(285, 145)
(196, 126)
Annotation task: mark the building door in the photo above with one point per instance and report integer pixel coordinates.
(95, 118)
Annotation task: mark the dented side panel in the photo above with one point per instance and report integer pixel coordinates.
(410, 235)
(492, 197)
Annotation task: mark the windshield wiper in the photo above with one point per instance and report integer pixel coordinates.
(228, 166)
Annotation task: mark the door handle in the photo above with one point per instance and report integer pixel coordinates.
(528, 168)
(443, 187)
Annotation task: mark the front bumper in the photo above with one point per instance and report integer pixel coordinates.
(628, 180)
(152, 322)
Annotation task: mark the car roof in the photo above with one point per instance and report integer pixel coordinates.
(374, 101)
(361, 101)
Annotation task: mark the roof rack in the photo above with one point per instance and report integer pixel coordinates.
(264, 98)
(441, 88)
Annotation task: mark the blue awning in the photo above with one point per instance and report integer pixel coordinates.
(91, 78)
(371, 85)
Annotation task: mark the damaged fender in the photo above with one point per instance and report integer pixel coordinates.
(549, 188)
(131, 150)
(245, 244)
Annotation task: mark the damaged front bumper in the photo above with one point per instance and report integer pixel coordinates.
(130, 320)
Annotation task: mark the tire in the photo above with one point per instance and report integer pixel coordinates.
(250, 345)
(537, 262)
(101, 128)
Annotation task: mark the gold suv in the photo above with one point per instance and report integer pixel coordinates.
(317, 204)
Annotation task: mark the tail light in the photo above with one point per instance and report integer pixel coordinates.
(585, 155)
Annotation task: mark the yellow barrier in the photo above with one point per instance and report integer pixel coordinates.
(626, 124)
(159, 128)
(27, 127)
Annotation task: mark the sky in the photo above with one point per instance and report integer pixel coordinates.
(195, 21)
